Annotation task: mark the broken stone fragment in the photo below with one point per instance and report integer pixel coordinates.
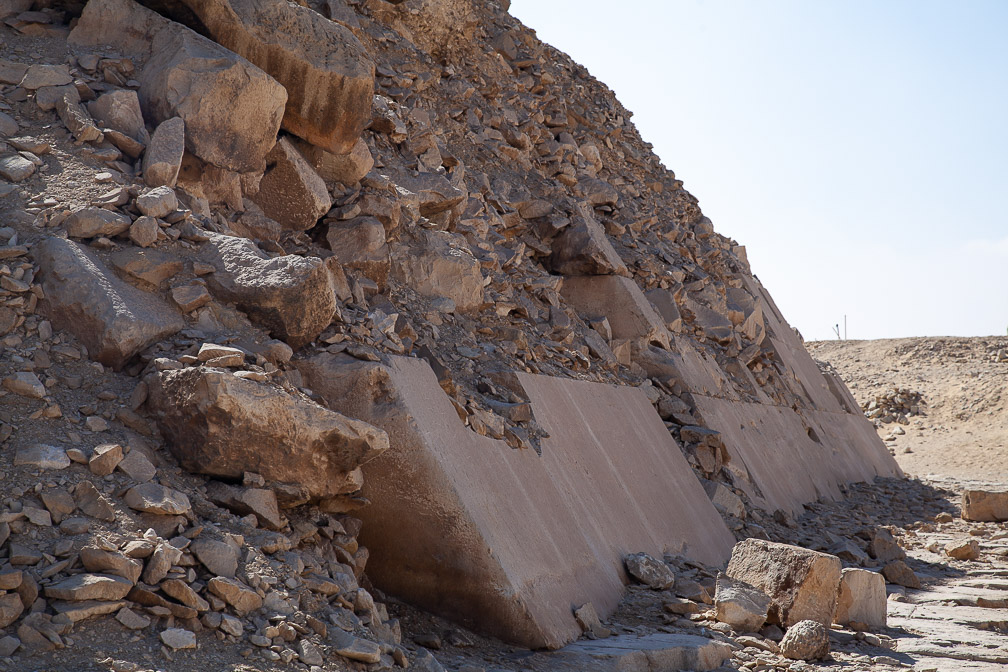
(984, 505)
(329, 83)
(16, 168)
(218, 557)
(801, 584)
(291, 296)
(42, 456)
(861, 601)
(111, 562)
(649, 571)
(154, 498)
(221, 425)
(178, 638)
(76, 119)
(94, 222)
(163, 158)
(89, 587)
(583, 248)
(899, 572)
(25, 384)
(120, 110)
(439, 264)
(157, 202)
(346, 169)
(291, 192)
(242, 599)
(963, 549)
(113, 319)
(740, 605)
(359, 244)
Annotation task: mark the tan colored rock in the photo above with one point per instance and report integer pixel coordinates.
(260, 502)
(103, 587)
(16, 168)
(346, 169)
(153, 267)
(157, 202)
(583, 248)
(181, 591)
(163, 158)
(154, 498)
(92, 502)
(801, 584)
(111, 562)
(291, 193)
(740, 605)
(114, 320)
(218, 557)
(93, 222)
(178, 638)
(620, 300)
(359, 244)
(77, 120)
(806, 640)
(984, 505)
(137, 466)
(119, 110)
(326, 71)
(242, 599)
(862, 599)
(899, 572)
(439, 264)
(10, 609)
(232, 109)
(105, 459)
(963, 549)
(653, 573)
(222, 425)
(25, 384)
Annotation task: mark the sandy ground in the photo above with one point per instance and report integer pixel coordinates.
(962, 431)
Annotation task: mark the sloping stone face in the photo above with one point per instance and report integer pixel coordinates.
(327, 73)
(221, 425)
(506, 540)
(113, 319)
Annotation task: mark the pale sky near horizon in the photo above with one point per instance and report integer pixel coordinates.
(858, 149)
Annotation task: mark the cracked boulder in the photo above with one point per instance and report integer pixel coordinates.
(290, 296)
(218, 424)
(113, 319)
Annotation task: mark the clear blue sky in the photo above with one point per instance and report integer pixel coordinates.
(858, 149)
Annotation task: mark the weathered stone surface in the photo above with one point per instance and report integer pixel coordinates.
(120, 111)
(290, 296)
(114, 320)
(131, 620)
(806, 640)
(218, 424)
(359, 244)
(218, 557)
(75, 117)
(326, 71)
(862, 599)
(346, 169)
(439, 264)
(456, 507)
(740, 605)
(137, 466)
(260, 502)
(178, 638)
(983, 505)
(231, 108)
(883, 546)
(242, 599)
(899, 572)
(105, 459)
(163, 158)
(151, 266)
(110, 562)
(25, 384)
(963, 549)
(291, 192)
(93, 222)
(620, 300)
(92, 502)
(42, 456)
(584, 249)
(650, 653)
(39, 75)
(157, 202)
(10, 609)
(154, 498)
(653, 573)
(89, 587)
(180, 590)
(801, 584)
(16, 168)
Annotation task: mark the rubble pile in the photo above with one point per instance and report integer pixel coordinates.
(896, 405)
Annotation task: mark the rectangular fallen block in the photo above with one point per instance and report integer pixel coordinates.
(506, 541)
(660, 652)
(983, 505)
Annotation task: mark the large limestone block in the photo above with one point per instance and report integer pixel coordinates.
(801, 584)
(631, 316)
(291, 296)
(583, 248)
(505, 540)
(439, 264)
(325, 69)
(291, 192)
(983, 505)
(861, 600)
(231, 109)
(220, 425)
(113, 319)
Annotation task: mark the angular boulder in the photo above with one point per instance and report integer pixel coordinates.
(861, 601)
(583, 248)
(801, 584)
(113, 319)
(231, 108)
(291, 192)
(325, 69)
(290, 296)
(440, 264)
(631, 316)
(740, 605)
(220, 425)
(163, 158)
(347, 169)
(120, 110)
(984, 506)
(359, 244)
